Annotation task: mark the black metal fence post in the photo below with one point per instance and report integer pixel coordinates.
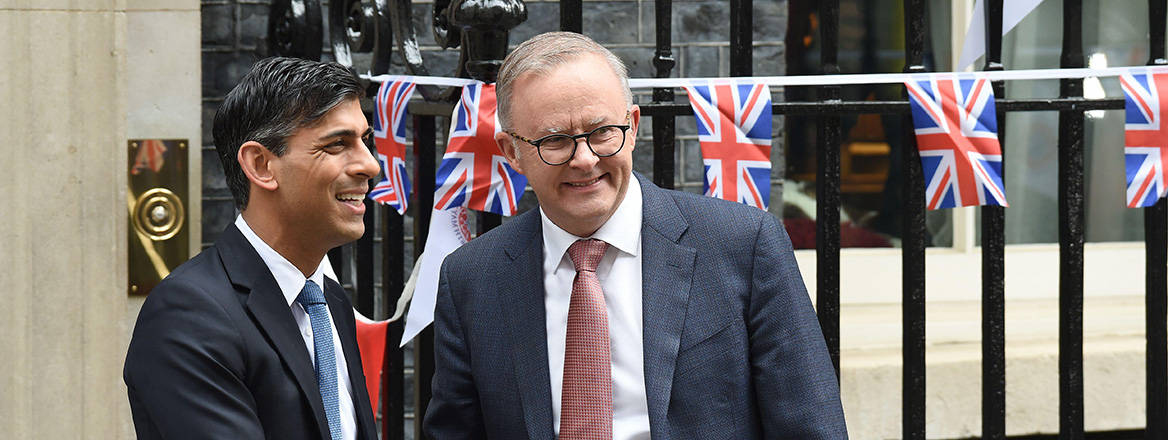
(664, 128)
(424, 174)
(364, 264)
(741, 38)
(1071, 215)
(572, 16)
(827, 190)
(993, 266)
(393, 361)
(1155, 311)
(1156, 267)
(913, 242)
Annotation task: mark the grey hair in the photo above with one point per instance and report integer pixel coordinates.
(545, 51)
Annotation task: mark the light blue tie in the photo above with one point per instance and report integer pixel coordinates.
(312, 299)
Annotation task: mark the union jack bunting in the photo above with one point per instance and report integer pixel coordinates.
(957, 135)
(734, 130)
(389, 134)
(1145, 138)
(473, 172)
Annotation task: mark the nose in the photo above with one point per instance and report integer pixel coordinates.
(583, 157)
(366, 165)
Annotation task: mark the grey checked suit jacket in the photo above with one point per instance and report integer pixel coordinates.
(733, 349)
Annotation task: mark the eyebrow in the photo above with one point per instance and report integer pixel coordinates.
(346, 133)
(591, 122)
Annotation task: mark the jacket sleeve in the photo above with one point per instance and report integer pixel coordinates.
(454, 411)
(183, 369)
(797, 391)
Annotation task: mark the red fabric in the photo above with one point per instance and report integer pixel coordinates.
(802, 233)
(586, 400)
(371, 342)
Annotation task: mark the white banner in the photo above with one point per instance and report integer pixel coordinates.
(448, 231)
(1013, 11)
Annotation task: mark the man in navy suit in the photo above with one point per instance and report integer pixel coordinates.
(248, 339)
(619, 309)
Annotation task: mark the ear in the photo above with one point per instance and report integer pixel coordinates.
(510, 150)
(256, 162)
(634, 123)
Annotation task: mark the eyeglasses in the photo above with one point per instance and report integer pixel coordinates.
(558, 149)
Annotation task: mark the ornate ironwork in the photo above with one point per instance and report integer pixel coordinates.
(479, 27)
(485, 25)
(294, 29)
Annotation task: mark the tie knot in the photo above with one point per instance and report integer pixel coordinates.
(586, 254)
(310, 294)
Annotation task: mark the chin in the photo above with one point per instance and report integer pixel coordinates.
(350, 232)
(355, 234)
(594, 209)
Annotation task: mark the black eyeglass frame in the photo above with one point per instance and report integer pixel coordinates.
(574, 138)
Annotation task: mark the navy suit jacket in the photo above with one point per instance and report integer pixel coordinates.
(217, 354)
(733, 349)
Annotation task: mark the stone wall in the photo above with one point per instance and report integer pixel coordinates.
(80, 78)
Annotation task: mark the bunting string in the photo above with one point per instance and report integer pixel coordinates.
(425, 80)
(828, 80)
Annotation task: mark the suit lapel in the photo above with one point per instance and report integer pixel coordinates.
(667, 272)
(527, 321)
(342, 314)
(268, 308)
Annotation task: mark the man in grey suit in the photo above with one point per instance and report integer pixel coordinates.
(249, 339)
(619, 309)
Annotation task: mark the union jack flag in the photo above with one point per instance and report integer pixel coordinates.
(957, 134)
(389, 134)
(1145, 135)
(473, 172)
(734, 130)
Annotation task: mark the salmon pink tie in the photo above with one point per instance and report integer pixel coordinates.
(586, 403)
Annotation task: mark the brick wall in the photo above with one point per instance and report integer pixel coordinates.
(234, 37)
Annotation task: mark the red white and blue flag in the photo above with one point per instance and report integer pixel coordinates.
(734, 130)
(389, 135)
(473, 172)
(957, 135)
(1145, 138)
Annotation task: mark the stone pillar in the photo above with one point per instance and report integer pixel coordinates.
(80, 78)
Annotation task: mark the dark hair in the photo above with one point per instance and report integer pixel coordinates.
(277, 97)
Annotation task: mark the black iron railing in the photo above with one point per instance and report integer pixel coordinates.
(827, 109)
(993, 267)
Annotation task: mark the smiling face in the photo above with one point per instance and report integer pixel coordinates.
(322, 179)
(572, 98)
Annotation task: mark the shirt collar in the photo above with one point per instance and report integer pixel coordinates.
(622, 230)
(288, 277)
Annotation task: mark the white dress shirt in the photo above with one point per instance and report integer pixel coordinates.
(291, 282)
(620, 278)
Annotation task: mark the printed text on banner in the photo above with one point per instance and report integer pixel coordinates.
(389, 134)
(1145, 138)
(473, 172)
(957, 135)
(734, 130)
